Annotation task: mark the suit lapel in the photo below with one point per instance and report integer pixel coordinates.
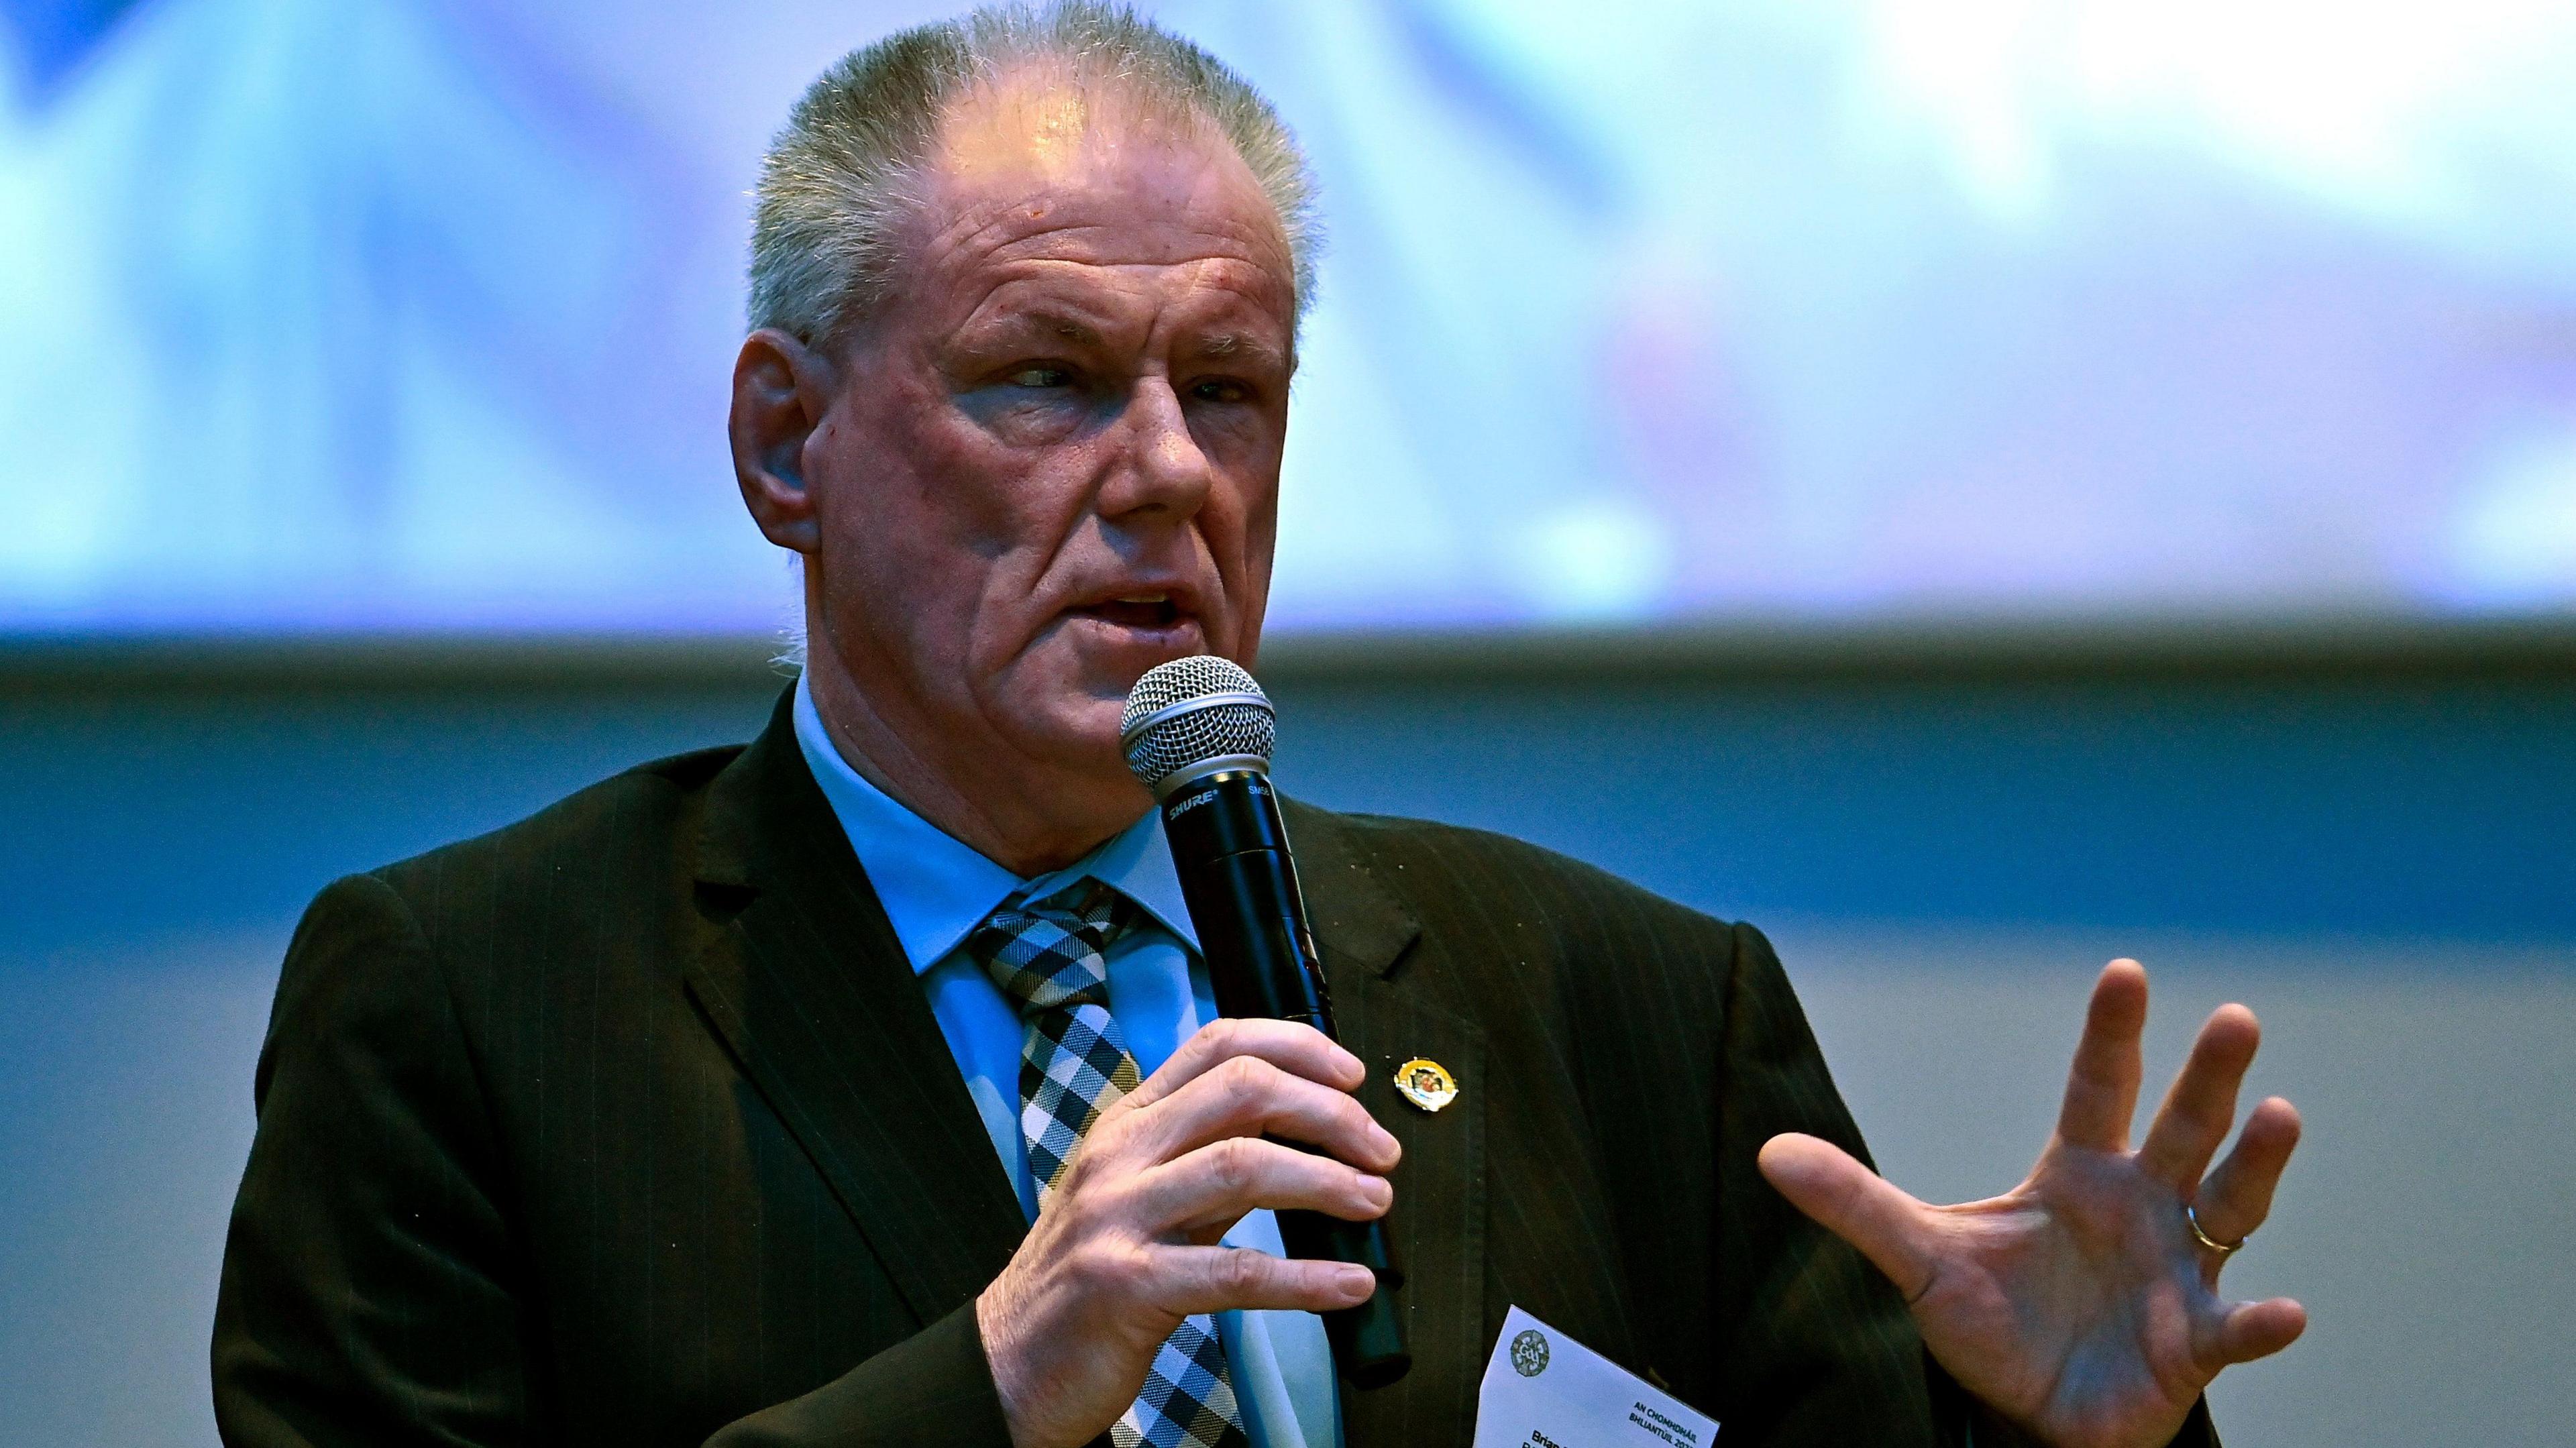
(805, 983)
(802, 979)
(1437, 1227)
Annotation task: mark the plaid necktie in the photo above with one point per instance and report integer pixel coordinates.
(1051, 957)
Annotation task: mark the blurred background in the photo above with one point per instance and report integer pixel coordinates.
(1974, 488)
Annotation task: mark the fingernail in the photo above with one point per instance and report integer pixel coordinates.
(1382, 1139)
(1379, 1192)
(1355, 1282)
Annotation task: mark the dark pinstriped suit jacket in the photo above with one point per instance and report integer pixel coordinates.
(629, 1124)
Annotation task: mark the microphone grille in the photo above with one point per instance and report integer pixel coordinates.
(1192, 710)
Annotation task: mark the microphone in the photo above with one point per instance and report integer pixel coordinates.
(1198, 733)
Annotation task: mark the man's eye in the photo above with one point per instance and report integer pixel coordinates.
(1043, 377)
(1220, 389)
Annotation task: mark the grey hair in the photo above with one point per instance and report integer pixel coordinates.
(842, 177)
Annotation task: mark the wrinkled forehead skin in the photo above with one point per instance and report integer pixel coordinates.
(1035, 168)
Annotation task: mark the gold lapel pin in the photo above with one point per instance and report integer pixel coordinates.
(1426, 1083)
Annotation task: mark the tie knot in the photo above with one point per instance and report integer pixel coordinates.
(1053, 953)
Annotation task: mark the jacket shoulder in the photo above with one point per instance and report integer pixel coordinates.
(576, 826)
(1441, 869)
(626, 835)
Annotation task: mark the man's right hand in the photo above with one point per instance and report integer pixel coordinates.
(1127, 1243)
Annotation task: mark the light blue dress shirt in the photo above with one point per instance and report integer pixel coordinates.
(935, 889)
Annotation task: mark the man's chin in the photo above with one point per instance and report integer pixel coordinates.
(1073, 723)
(1065, 695)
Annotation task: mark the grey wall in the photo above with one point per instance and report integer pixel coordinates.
(2380, 865)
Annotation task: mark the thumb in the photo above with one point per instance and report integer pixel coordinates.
(2259, 1329)
(1854, 1203)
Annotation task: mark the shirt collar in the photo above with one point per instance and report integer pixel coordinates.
(936, 888)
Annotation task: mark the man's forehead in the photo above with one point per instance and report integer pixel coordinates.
(1035, 126)
(1060, 172)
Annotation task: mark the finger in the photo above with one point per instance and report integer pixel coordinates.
(2238, 1196)
(1854, 1203)
(1248, 1096)
(1223, 1279)
(2102, 1086)
(2202, 1104)
(1292, 1047)
(1212, 1187)
(2259, 1329)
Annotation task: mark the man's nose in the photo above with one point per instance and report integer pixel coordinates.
(1161, 467)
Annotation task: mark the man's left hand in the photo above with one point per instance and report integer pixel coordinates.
(2080, 1304)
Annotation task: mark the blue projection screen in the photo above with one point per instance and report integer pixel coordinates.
(358, 315)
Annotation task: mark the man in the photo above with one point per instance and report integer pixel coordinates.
(862, 1085)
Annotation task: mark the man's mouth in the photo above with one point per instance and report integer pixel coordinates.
(1138, 610)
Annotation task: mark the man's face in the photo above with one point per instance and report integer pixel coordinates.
(1054, 462)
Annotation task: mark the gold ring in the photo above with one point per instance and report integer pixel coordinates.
(2191, 1219)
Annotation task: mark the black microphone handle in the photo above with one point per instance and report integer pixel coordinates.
(1230, 849)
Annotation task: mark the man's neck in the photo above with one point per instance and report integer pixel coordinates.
(1000, 811)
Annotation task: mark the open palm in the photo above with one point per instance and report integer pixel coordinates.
(2080, 1304)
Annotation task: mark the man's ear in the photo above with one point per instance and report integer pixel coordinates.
(781, 389)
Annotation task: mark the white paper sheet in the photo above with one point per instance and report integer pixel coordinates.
(1545, 1390)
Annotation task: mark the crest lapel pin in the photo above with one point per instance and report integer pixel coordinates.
(1426, 1083)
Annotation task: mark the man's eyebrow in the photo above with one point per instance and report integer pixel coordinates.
(1015, 327)
(1067, 328)
(1237, 345)
(1056, 324)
